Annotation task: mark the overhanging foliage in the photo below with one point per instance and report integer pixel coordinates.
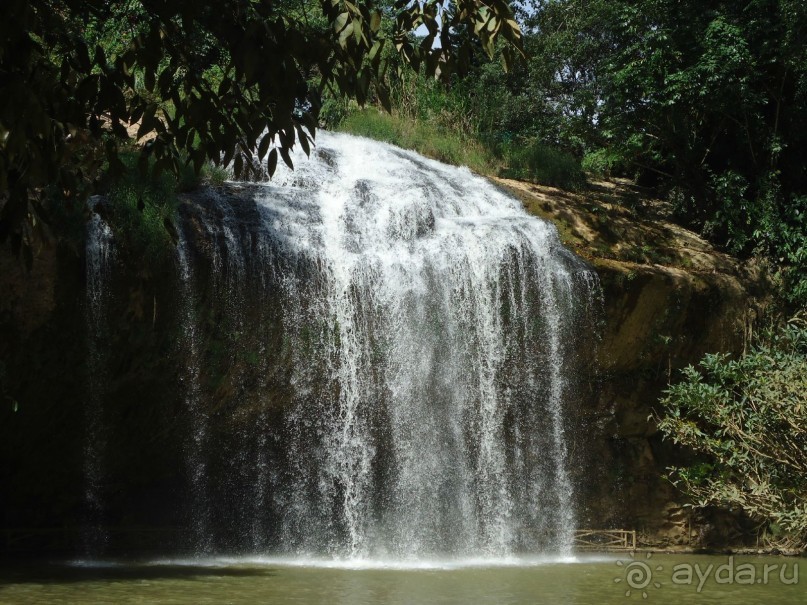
(201, 81)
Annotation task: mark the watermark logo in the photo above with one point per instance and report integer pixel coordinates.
(639, 577)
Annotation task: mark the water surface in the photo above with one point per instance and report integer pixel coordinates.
(570, 580)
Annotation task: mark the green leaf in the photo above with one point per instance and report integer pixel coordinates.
(346, 33)
(271, 162)
(340, 22)
(165, 81)
(284, 153)
(149, 121)
(148, 80)
(303, 138)
(375, 21)
(264, 146)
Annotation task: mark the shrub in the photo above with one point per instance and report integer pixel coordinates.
(535, 161)
(746, 419)
(141, 211)
(214, 175)
(602, 163)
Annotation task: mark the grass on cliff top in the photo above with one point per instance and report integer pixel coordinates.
(425, 138)
(524, 160)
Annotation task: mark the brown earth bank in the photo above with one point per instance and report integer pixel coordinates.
(667, 299)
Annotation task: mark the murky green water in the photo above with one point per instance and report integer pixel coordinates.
(665, 579)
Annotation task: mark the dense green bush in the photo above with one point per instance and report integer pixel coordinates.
(535, 161)
(703, 100)
(142, 209)
(746, 419)
(782, 235)
(602, 163)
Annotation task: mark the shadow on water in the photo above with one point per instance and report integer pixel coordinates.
(64, 573)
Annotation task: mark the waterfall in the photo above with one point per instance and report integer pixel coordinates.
(99, 253)
(415, 400)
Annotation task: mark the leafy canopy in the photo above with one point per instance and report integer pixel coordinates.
(705, 100)
(200, 81)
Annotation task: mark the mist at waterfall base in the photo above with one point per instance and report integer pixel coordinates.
(378, 357)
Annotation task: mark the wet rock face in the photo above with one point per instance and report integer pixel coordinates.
(654, 319)
(142, 408)
(657, 320)
(43, 350)
(38, 373)
(668, 298)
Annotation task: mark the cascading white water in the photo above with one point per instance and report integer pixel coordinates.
(99, 253)
(378, 362)
(196, 444)
(426, 314)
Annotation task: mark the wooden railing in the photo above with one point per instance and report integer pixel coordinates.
(605, 539)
